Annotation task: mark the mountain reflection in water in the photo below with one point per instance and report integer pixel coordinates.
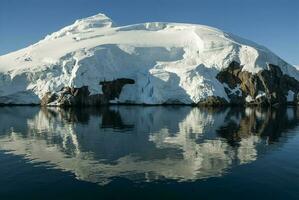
(143, 143)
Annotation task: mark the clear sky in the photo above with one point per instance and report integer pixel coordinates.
(272, 23)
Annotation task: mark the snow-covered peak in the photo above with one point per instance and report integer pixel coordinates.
(96, 21)
(84, 25)
(169, 62)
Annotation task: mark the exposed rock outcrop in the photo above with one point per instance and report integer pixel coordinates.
(267, 87)
(70, 96)
(213, 101)
(112, 89)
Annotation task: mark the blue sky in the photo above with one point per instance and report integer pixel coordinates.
(272, 23)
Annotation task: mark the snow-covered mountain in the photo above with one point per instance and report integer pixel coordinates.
(167, 62)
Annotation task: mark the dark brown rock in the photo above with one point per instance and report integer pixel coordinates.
(112, 89)
(70, 96)
(272, 82)
(48, 98)
(213, 101)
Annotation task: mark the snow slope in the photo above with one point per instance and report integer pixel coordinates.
(169, 62)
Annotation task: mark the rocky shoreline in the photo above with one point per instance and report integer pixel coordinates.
(70, 96)
(266, 88)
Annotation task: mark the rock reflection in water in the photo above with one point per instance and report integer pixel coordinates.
(142, 143)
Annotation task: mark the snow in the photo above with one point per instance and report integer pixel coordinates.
(260, 94)
(249, 99)
(168, 61)
(235, 91)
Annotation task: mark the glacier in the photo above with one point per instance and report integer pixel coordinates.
(169, 62)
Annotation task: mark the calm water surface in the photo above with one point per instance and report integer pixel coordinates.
(131, 152)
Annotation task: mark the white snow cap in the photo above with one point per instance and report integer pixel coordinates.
(81, 25)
